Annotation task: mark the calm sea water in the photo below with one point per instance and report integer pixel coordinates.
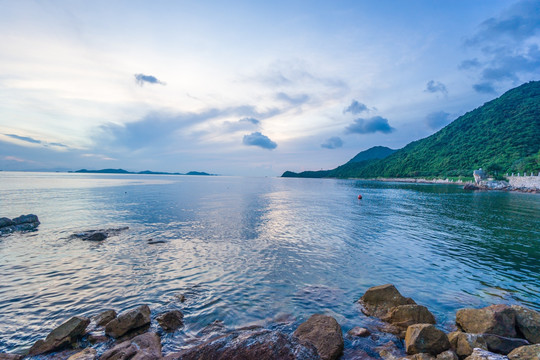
(244, 250)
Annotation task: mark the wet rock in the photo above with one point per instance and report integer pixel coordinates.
(180, 297)
(425, 338)
(146, 346)
(95, 339)
(390, 351)
(403, 316)
(421, 356)
(86, 354)
(257, 344)
(128, 321)
(170, 320)
(324, 333)
(494, 319)
(479, 354)
(6, 222)
(358, 332)
(471, 186)
(215, 327)
(62, 336)
(528, 323)
(356, 354)
(379, 300)
(447, 355)
(22, 223)
(464, 343)
(98, 235)
(105, 317)
(503, 345)
(530, 352)
(10, 356)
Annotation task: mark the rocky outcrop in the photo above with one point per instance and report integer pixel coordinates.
(379, 300)
(324, 333)
(170, 320)
(86, 354)
(105, 317)
(425, 338)
(528, 323)
(128, 321)
(479, 354)
(98, 235)
(494, 319)
(250, 344)
(22, 223)
(62, 336)
(143, 347)
(530, 352)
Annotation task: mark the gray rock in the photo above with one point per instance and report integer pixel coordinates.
(128, 321)
(98, 235)
(6, 222)
(528, 323)
(389, 351)
(143, 347)
(379, 300)
(25, 219)
(494, 319)
(420, 356)
(503, 345)
(324, 333)
(170, 320)
(62, 336)
(22, 223)
(104, 317)
(447, 355)
(529, 352)
(86, 354)
(10, 356)
(425, 338)
(479, 354)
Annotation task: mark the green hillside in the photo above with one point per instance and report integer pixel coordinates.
(502, 136)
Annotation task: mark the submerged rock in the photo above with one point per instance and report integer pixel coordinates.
(250, 344)
(98, 235)
(143, 347)
(529, 352)
(528, 323)
(22, 223)
(170, 320)
(425, 338)
(390, 351)
(358, 331)
(62, 336)
(324, 333)
(379, 300)
(494, 319)
(128, 321)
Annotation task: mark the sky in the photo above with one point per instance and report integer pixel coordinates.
(247, 88)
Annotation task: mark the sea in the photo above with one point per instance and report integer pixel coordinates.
(249, 250)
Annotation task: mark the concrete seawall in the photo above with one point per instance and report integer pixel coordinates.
(528, 182)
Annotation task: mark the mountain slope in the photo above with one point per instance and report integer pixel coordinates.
(502, 135)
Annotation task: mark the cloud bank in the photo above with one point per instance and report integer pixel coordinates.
(260, 140)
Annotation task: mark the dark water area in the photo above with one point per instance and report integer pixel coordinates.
(245, 250)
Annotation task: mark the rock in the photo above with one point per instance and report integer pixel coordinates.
(62, 336)
(180, 297)
(10, 356)
(464, 343)
(378, 300)
(104, 317)
(86, 354)
(389, 351)
(358, 332)
(503, 345)
(127, 321)
(3, 223)
(356, 354)
(425, 338)
(479, 354)
(251, 344)
(94, 339)
(528, 323)
(447, 355)
(494, 319)
(471, 186)
(98, 235)
(324, 333)
(170, 320)
(421, 356)
(529, 352)
(403, 316)
(26, 219)
(143, 347)
(22, 223)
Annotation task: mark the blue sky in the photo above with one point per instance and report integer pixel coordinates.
(247, 88)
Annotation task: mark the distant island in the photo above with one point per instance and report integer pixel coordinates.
(502, 136)
(146, 172)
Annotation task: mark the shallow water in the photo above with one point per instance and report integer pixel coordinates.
(244, 250)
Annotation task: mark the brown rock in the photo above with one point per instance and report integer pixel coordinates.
(258, 344)
(146, 346)
(358, 332)
(421, 356)
(529, 352)
(86, 354)
(389, 351)
(528, 323)
(62, 336)
(503, 345)
(479, 354)
(324, 333)
(378, 300)
(10, 356)
(425, 338)
(494, 319)
(356, 354)
(403, 316)
(94, 338)
(105, 317)
(464, 343)
(447, 355)
(130, 320)
(170, 320)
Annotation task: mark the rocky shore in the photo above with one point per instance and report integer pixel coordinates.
(499, 185)
(497, 332)
(22, 223)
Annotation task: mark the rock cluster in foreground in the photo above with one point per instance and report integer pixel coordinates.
(496, 332)
(28, 222)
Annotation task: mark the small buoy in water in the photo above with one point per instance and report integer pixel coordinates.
(359, 197)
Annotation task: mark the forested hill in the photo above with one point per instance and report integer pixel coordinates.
(502, 135)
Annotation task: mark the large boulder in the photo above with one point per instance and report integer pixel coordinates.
(324, 333)
(6, 222)
(249, 344)
(62, 336)
(530, 352)
(503, 345)
(379, 300)
(170, 320)
(22, 223)
(464, 343)
(479, 354)
(494, 319)
(528, 323)
(403, 316)
(128, 321)
(104, 317)
(143, 347)
(86, 354)
(425, 338)
(447, 355)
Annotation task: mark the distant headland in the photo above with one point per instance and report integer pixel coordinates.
(146, 172)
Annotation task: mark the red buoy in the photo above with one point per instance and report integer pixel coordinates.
(359, 197)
